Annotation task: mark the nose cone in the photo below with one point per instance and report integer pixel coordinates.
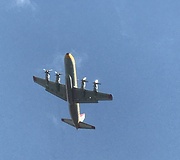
(69, 59)
(68, 55)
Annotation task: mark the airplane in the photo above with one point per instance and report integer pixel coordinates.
(71, 93)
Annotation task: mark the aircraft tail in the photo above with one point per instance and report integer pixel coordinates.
(85, 126)
(82, 117)
(82, 125)
(68, 121)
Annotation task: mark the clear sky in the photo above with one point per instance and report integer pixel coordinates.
(132, 47)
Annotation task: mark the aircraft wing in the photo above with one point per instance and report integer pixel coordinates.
(56, 89)
(87, 96)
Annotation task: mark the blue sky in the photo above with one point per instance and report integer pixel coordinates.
(132, 47)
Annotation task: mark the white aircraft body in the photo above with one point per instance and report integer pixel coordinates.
(71, 93)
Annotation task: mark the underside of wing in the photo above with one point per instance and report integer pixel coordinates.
(56, 89)
(87, 96)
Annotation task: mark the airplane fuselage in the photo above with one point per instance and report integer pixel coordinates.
(71, 81)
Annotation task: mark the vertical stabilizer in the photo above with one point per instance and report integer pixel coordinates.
(82, 117)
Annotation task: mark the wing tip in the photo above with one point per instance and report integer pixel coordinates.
(110, 97)
(34, 78)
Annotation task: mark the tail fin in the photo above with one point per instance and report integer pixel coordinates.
(82, 117)
(82, 125)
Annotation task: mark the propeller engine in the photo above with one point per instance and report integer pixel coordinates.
(96, 85)
(47, 74)
(58, 79)
(83, 83)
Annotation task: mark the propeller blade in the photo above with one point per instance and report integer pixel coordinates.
(97, 82)
(47, 71)
(58, 73)
(84, 79)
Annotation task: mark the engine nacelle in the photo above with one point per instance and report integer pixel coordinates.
(83, 83)
(47, 74)
(58, 79)
(96, 85)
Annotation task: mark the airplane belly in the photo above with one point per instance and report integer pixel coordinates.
(71, 82)
(69, 89)
(74, 112)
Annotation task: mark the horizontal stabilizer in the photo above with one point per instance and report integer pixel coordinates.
(85, 126)
(68, 121)
(82, 125)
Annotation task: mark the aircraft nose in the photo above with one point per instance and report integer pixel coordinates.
(68, 55)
